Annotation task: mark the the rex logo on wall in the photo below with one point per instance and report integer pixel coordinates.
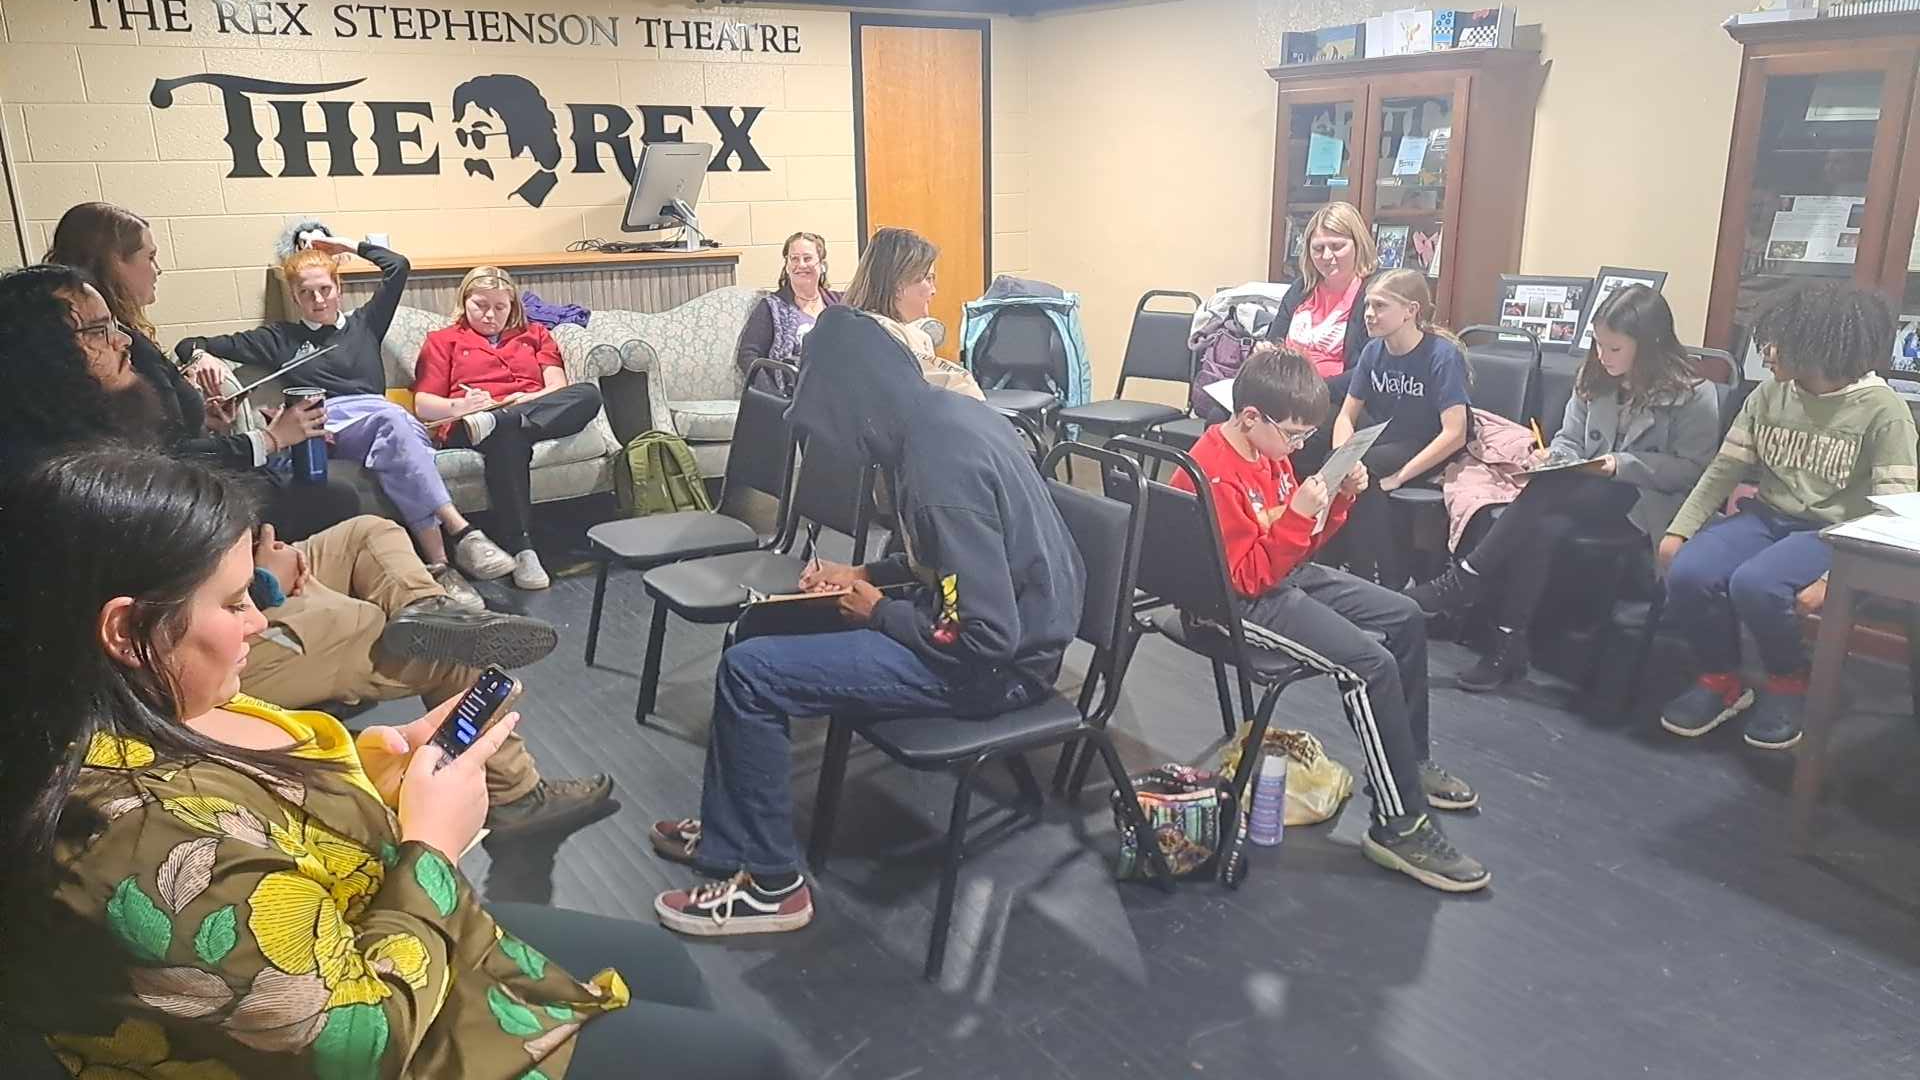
(485, 108)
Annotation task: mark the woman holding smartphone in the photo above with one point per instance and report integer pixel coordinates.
(209, 885)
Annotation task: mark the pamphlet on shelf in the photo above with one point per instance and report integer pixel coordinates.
(1413, 154)
(1323, 154)
(1817, 229)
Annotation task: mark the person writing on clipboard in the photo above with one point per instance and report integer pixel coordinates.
(1000, 598)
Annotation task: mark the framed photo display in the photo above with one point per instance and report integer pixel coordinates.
(1608, 281)
(1551, 307)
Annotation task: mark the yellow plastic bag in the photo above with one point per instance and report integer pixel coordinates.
(1316, 784)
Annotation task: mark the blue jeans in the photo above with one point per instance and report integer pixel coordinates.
(746, 804)
(1746, 569)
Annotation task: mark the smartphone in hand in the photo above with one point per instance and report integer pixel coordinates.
(485, 701)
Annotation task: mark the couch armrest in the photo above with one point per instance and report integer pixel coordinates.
(585, 354)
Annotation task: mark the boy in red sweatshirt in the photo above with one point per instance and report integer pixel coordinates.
(1328, 620)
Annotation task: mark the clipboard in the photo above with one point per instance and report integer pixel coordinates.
(283, 369)
(788, 614)
(1555, 465)
(511, 399)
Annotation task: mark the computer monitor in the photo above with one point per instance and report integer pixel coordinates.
(666, 187)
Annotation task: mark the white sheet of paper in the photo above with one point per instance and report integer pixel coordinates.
(1221, 392)
(1413, 155)
(1342, 460)
(1894, 530)
(1906, 504)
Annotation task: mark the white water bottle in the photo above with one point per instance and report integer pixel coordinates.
(1268, 817)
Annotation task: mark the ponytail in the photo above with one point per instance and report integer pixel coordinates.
(1410, 287)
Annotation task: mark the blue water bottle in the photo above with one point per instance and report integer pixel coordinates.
(310, 455)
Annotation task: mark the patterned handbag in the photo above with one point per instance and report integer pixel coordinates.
(1191, 812)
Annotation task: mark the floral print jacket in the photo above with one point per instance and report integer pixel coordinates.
(221, 924)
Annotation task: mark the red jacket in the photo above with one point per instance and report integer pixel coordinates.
(457, 354)
(1257, 560)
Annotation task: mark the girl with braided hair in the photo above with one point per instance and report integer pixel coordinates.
(1819, 438)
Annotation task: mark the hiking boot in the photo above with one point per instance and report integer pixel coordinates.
(552, 806)
(1449, 594)
(528, 573)
(737, 905)
(1774, 721)
(1708, 703)
(480, 558)
(438, 629)
(1503, 662)
(454, 584)
(676, 841)
(1446, 791)
(1422, 853)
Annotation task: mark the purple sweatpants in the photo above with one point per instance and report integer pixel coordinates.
(395, 448)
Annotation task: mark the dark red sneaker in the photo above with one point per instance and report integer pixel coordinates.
(676, 841)
(735, 906)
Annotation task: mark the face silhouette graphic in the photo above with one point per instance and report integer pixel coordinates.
(490, 107)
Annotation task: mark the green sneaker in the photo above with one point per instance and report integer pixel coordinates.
(1423, 853)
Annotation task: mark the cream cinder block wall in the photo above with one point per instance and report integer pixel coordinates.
(1152, 164)
(75, 102)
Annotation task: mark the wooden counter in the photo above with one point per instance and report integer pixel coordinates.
(641, 281)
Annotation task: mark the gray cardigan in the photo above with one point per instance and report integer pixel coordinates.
(1664, 450)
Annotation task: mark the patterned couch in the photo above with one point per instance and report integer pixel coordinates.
(685, 355)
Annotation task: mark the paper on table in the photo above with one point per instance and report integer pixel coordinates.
(1893, 530)
(1906, 504)
(1221, 392)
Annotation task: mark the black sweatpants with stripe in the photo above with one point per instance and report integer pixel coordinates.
(1332, 622)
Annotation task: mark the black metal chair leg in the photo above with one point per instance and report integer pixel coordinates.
(1226, 696)
(826, 798)
(1246, 700)
(1256, 739)
(950, 873)
(1143, 836)
(1024, 779)
(650, 671)
(1637, 674)
(599, 600)
(1063, 766)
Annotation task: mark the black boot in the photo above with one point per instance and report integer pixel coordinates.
(1449, 594)
(1504, 661)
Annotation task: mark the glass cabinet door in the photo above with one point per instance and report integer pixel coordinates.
(1412, 140)
(1321, 165)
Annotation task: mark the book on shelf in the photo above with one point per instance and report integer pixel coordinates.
(1840, 9)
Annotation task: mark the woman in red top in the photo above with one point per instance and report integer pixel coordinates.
(1320, 316)
(492, 355)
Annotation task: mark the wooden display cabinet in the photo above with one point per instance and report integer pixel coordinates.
(1823, 173)
(1343, 131)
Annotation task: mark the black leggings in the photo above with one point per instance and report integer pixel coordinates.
(670, 1025)
(1517, 552)
(508, 453)
(1373, 543)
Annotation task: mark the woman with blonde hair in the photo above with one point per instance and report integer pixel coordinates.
(503, 377)
(1317, 318)
(894, 283)
(364, 426)
(782, 318)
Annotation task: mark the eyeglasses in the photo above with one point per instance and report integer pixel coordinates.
(104, 331)
(1296, 440)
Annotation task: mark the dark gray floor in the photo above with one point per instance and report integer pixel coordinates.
(1645, 919)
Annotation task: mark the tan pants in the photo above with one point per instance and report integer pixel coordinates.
(360, 572)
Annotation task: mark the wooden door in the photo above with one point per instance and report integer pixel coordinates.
(1812, 128)
(1316, 161)
(921, 146)
(1409, 196)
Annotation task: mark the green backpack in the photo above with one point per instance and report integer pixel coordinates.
(658, 476)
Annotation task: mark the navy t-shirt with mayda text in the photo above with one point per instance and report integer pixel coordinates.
(1410, 392)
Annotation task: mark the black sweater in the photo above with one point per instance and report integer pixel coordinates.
(974, 513)
(353, 368)
(190, 436)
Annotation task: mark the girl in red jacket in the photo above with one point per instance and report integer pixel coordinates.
(490, 355)
(1327, 619)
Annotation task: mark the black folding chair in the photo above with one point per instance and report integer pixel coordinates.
(1108, 533)
(1157, 348)
(833, 489)
(1183, 573)
(759, 460)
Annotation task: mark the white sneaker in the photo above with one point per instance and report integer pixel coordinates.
(479, 426)
(456, 587)
(480, 558)
(528, 573)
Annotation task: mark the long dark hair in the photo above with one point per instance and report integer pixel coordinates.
(77, 531)
(1662, 370)
(47, 397)
(88, 235)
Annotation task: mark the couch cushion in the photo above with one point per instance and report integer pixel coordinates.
(588, 445)
(704, 421)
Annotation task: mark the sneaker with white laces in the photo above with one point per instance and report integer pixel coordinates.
(676, 840)
(737, 905)
(454, 584)
(527, 571)
(480, 558)
(479, 426)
